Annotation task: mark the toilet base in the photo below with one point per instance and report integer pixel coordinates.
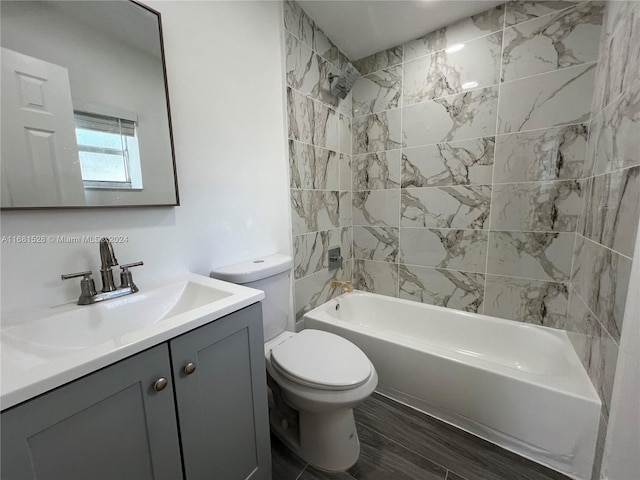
(328, 441)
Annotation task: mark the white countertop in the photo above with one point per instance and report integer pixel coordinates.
(30, 368)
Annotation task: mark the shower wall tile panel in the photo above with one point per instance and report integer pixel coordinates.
(537, 256)
(376, 277)
(601, 278)
(611, 209)
(346, 210)
(377, 171)
(314, 210)
(311, 250)
(548, 100)
(376, 243)
(313, 167)
(446, 207)
(564, 39)
(464, 250)
(617, 72)
(377, 132)
(597, 351)
(540, 206)
(298, 23)
(445, 288)
(613, 142)
(520, 11)
(377, 91)
(379, 61)
(344, 172)
(441, 74)
(530, 301)
(315, 289)
(550, 154)
(376, 207)
(312, 122)
(307, 72)
(456, 117)
(457, 163)
(344, 134)
(476, 26)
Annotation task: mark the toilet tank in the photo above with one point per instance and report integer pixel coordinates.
(272, 275)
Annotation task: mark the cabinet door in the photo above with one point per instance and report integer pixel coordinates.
(111, 424)
(222, 405)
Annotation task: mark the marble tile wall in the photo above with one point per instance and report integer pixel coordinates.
(319, 136)
(610, 209)
(468, 161)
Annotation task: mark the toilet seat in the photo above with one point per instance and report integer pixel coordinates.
(321, 360)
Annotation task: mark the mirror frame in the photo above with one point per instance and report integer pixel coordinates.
(171, 142)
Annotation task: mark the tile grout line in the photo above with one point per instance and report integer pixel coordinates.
(608, 248)
(543, 16)
(560, 282)
(455, 185)
(401, 102)
(493, 169)
(611, 172)
(496, 136)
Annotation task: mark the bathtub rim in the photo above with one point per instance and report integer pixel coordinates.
(585, 389)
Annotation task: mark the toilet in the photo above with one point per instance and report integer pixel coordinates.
(315, 378)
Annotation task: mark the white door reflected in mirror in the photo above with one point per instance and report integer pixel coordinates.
(36, 96)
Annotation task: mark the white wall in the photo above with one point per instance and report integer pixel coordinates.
(621, 460)
(225, 74)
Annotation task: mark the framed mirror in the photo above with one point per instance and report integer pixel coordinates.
(85, 106)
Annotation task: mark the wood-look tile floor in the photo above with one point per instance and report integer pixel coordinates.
(400, 443)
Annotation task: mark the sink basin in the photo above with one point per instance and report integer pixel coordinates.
(89, 325)
(63, 343)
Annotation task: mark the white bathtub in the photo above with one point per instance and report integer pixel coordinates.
(519, 386)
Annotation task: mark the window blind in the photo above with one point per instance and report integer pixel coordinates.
(102, 123)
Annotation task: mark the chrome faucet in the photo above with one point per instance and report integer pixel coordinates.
(108, 259)
(88, 294)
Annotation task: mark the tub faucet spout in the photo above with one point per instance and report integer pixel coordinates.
(345, 286)
(108, 260)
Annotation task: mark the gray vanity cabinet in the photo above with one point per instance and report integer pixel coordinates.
(222, 404)
(111, 424)
(120, 423)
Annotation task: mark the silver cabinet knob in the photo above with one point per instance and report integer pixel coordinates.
(189, 368)
(160, 384)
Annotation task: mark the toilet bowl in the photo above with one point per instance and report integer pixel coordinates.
(321, 376)
(315, 378)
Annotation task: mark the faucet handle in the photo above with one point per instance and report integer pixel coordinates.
(126, 278)
(86, 275)
(87, 286)
(130, 265)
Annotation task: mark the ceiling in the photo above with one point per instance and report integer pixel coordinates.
(363, 27)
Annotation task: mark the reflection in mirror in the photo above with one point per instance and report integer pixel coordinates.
(85, 111)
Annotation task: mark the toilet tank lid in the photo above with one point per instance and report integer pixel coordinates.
(253, 270)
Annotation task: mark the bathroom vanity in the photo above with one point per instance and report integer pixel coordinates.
(192, 405)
